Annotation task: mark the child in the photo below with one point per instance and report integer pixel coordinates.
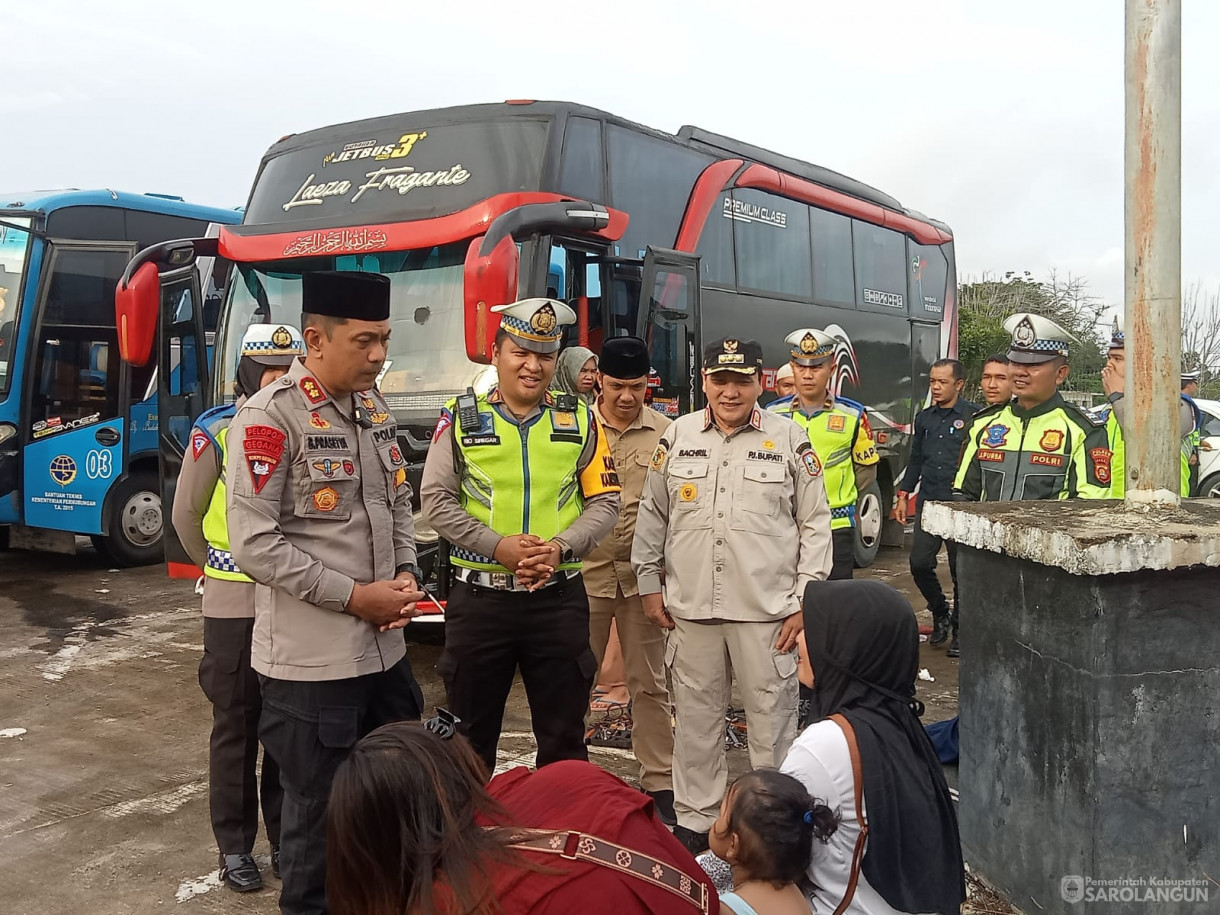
(765, 834)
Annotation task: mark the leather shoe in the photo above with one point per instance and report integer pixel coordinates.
(940, 629)
(240, 873)
(696, 842)
(275, 861)
(954, 651)
(663, 801)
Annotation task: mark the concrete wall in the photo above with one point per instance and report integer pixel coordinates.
(1090, 728)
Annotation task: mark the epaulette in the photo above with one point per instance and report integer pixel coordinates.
(989, 408)
(850, 404)
(221, 411)
(1089, 420)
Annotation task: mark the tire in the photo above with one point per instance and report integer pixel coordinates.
(1210, 487)
(870, 520)
(136, 522)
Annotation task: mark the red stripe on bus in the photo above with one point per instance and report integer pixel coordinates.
(711, 182)
(768, 179)
(396, 236)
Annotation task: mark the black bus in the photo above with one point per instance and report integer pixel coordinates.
(681, 238)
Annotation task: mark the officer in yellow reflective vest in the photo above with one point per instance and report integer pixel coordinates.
(839, 432)
(228, 621)
(522, 484)
(1038, 446)
(1113, 380)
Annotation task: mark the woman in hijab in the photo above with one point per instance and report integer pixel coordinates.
(576, 373)
(860, 655)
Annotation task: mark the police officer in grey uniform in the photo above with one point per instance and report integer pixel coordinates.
(320, 516)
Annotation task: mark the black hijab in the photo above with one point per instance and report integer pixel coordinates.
(864, 649)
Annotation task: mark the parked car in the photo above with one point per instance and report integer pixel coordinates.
(1209, 449)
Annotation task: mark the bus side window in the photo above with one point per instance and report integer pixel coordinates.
(76, 359)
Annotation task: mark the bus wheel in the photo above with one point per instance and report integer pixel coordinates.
(869, 521)
(136, 521)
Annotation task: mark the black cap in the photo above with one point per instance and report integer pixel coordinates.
(732, 355)
(624, 357)
(346, 294)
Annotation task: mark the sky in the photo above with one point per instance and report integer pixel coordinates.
(1004, 120)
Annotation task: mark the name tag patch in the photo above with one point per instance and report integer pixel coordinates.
(985, 454)
(326, 443)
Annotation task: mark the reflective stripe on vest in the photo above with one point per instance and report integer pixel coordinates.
(834, 449)
(1118, 461)
(520, 479)
(215, 525)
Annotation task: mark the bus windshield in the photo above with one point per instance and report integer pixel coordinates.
(14, 249)
(426, 365)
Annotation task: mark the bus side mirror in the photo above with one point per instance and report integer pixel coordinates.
(489, 278)
(136, 304)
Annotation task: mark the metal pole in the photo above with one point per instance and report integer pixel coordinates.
(1153, 214)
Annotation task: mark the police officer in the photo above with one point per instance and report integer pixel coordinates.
(320, 516)
(839, 433)
(1113, 380)
(1038, 446)
(521, 483)
(225, 673)
(940, 429)
(734, 518)
(632, 432)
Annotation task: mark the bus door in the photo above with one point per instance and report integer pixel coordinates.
(668, 319)
(183, 390)
(75, 425)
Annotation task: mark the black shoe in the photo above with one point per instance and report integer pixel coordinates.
(275, 860)
(663, 801)
(954, 651)
(240, 873)
(695, 842)
(940, 629)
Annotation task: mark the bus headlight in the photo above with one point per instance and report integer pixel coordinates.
(7, 431)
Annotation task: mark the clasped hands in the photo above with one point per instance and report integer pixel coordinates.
(530, 558)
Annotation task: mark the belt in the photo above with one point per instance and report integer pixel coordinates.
(577, 846)
(503, 581)
(221, 560)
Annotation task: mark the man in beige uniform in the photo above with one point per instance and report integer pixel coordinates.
(734, 518)
(320, 516)
(633, 433)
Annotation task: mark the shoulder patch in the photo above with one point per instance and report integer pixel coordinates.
(658, 456)
(442, 424)
(199, 443)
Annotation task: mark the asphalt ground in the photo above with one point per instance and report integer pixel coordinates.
(104, 734)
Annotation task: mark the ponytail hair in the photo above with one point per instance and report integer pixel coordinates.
(776, 821)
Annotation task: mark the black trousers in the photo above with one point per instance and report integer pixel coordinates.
(233, 788)
(844, 542)
(490, 634)
(924, 550)
(310, 727)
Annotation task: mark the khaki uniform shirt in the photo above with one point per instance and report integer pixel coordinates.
(440, 488)
(608, 568)
(201, 470)
(738, 523)
(316, 503)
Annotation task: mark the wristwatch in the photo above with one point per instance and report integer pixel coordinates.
(408, 567)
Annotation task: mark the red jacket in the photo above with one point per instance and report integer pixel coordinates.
(578, 796)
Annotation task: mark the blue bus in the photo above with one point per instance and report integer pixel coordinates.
(78, 426)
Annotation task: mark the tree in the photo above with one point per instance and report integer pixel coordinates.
(1201, 337)
(986, 302)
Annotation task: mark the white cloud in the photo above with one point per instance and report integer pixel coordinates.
(1004, 121)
